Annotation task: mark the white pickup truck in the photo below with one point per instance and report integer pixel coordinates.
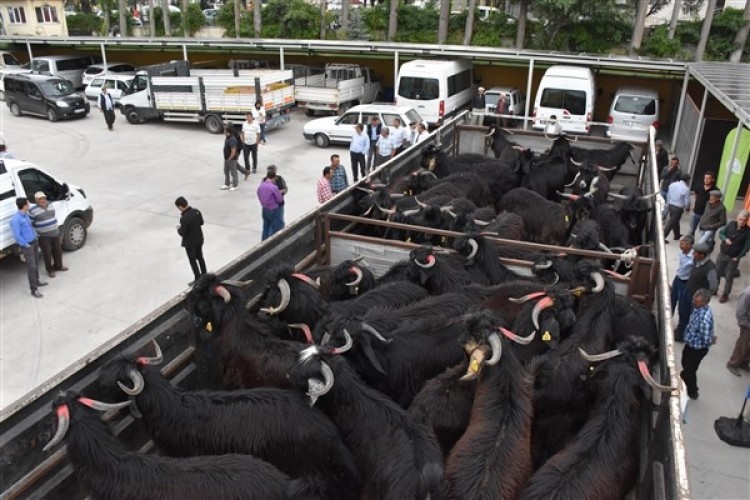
(338, 87)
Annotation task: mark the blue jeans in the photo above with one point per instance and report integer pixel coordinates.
(678, 289)
(694, 221)
(685, 307)
(272, 222)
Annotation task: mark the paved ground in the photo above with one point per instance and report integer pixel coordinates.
(132, 262)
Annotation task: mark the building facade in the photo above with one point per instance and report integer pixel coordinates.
(44, 18)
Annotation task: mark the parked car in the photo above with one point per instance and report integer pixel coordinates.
(117, 86)
(144, 11)
(339, 130)
(8, 61)
(95, 70)
(568, 93)
(2, 79)
(210, 15)
(70, 67)
(43, 95)
(516, 102)
(633, 110)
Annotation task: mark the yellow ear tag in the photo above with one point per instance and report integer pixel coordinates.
(546, 337)
(567, 219)
(408, 240)
(209, 327)
(474, 365)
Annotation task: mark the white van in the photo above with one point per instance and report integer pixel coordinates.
(70, 68)
(19, 178)
(437, 89)
(633, 111)
(9, 61)
(568, 93)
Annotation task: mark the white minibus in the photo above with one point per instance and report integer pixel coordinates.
(70, 68)
(568, 93)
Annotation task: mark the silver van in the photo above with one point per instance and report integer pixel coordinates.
(633, 110)
(70, 67)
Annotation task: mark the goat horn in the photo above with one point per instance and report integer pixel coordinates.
(430, 262)
(647, 196)
(368, 191)
(222, 292)
(428, 172)
(369, 210)
(604, 248)
(526, 298)
(547, 264)
(237, 282)
(101, 405)
(507, 131)
(593, 358)
(423, 205)
(575, 179)
(497, 349)
(305, 330)
(347, 344)
(557, 278)
(518, 148)
(475, 364)
(573, 197)
(410, 213)
(646, 373)
(599, 280)
(618, 196)
(63, 422)
(540, 306)
(285, 296)
(576, 163)
(517, 338)
(315, 388)
(372, 331)
(389, 211)
(303, 277)
(606, 169)
(490, 133)
(359, 274)
(449, 211)
(481, 222)
(137, 380)
(474, 248)
(397, 195)
(156, 360)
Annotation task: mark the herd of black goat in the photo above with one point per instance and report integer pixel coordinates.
(449, 377)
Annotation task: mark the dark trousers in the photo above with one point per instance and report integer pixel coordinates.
(52, 252)
(195, 257)
(726, 266)
(358, 165)
(740, 357)
(685, 307)
(272, 222)
(246, 151)
(678, 289)
(673, 224)
(109, 117)
(691, 360)
(32, 264)
(694, 221)
(371, 155)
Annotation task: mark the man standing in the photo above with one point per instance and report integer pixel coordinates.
(421, 133)
(24, 234)
(251, 138)
(231, 151)
(283, 189)
(740, 357)
(553, 128)
(339, 182)
(678, 200)
(713, 218)
(699, 337)
(270, 199)
(701, 199)
(259, 114)
(662, 157)
(684, 269)
(735, 242)
(4, 153)
(385, 149)
(669, 174)
(478, 107)
(502, 109)
(703, 275)
(398, 135)
(107, 106)
(323, 188)
(358, 149)
(189, 228)
(43, 219)
(373, 133)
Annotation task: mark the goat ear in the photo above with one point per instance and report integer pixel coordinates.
(364, 342)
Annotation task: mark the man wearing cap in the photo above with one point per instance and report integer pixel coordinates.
(26, 239)
(478, 105)
(713, 218)
(735, 243)
(662, 157)
(703, 276)
(43, 219)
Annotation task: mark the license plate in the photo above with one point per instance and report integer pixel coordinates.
(80, 110)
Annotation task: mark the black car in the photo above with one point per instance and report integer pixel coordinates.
(44, 95)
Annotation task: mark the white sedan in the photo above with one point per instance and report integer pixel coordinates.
(117, 86)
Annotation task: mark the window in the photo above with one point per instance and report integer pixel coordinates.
(33, 91)
(636, 105)
(40, 66)
(46, 14)
(459, 82)
(389, 118)
(10, 60)
(16, 15)
(33, 180)
(420, 89)
(97, 82)
(75, 63)
(349, 119)
(574, 101)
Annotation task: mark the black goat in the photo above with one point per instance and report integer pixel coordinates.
(543, 220)
(293, 297)
(346, 280)
(275, 425)
(109, 470)
(614, 157)
(484, 256)
(633, 207)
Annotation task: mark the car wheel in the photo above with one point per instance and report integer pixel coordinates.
(322, 141)
(214, 124)
(74, 234)
(131, 115)
(309, 112)
(15, 110)
(51, 115)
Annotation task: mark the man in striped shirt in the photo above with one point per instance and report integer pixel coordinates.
(43, 219)
(699, 337)
(324, 186)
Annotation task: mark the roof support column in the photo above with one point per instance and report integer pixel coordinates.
(281, 57)
(698, 133)
(730, 164)
(184, 52)
(680, 106)
(28, 49)
(395, 75)
(528, 94)
(104, 54)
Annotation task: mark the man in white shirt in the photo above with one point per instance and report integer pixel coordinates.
(107, 107)
(358, 149)
(398, 135)
(421, 133)
(250, 137)
(678, 201)
(259, 114)
(385, 149)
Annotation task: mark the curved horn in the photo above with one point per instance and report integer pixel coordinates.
(526, 298)
(368, 191)
(137, 380)
(575, 179)
(369, 210)
(474, 248)
(576, 163)
(481, 222)
(63, 422)
(646, 374)
(430, 262)
(358, 273)
(222, 292)
(540, 306)
(423, 205)
(518, 148)
(557, 279)
(315, 388)
(449, 210)
(497, 349)
(618, 196)
(599, 280)
(372, 331)
(347, 344)
(305, 330)
(237, 283)
(547, 264)
(647, 196)
(490, 133)
(593, 358)
(604, 248)
(389, 211)
(410, 213)
(573, 197)
(156, 360)
(102, 406)
(285, 296)
(606, 169)
(475, 364)
(305, 278)
(517, 338)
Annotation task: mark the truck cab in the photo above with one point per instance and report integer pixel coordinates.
(19, 178)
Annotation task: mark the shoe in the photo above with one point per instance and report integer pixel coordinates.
(693, 395)
(666, 241)
(677, 238)
(233, 188)
(42, 283)
(63, 268)
(51, 274)
(255, 171)
(37, 294)
(224, 187)
(723, 299)
(734, 371)
(247, 176)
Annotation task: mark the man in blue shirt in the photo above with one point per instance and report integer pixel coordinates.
(699, 337)
(25, 236)
(683, 270)
(678, 201)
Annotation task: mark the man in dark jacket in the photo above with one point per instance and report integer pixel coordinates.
(669, 174)
(189, 228)
(701, 199)
(662, 157)
(713, 219)
(373, 133)
(703, 276)
(735, 242)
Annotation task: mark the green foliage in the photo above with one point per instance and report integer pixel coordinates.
(723, 31)
(375, 20)
(195, 21)
(597, 35)
(657, 44)
(491, 32)
(415, 25)
(175, 20)
(281, 19)
(84, 22)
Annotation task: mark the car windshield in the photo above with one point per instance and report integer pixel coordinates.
(491, 99)
(420, 89)
(93, 70)
(635, 105)
(572, 100)
(58, 88)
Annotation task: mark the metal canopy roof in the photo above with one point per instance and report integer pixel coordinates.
(727, 82)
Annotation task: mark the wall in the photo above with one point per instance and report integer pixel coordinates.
(31, 27)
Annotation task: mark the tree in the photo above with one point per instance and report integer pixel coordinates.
(258, 19)
(237, 18)
(166, 16)
(741, 38)
(392, 20)
(469, 29)
(151, 19)
(673, 19)
(639, 25)
(322, 19)
(445, 12)
(345, 10)
(184, 17)
(122, 10)
(706, 30)
(521, 28)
